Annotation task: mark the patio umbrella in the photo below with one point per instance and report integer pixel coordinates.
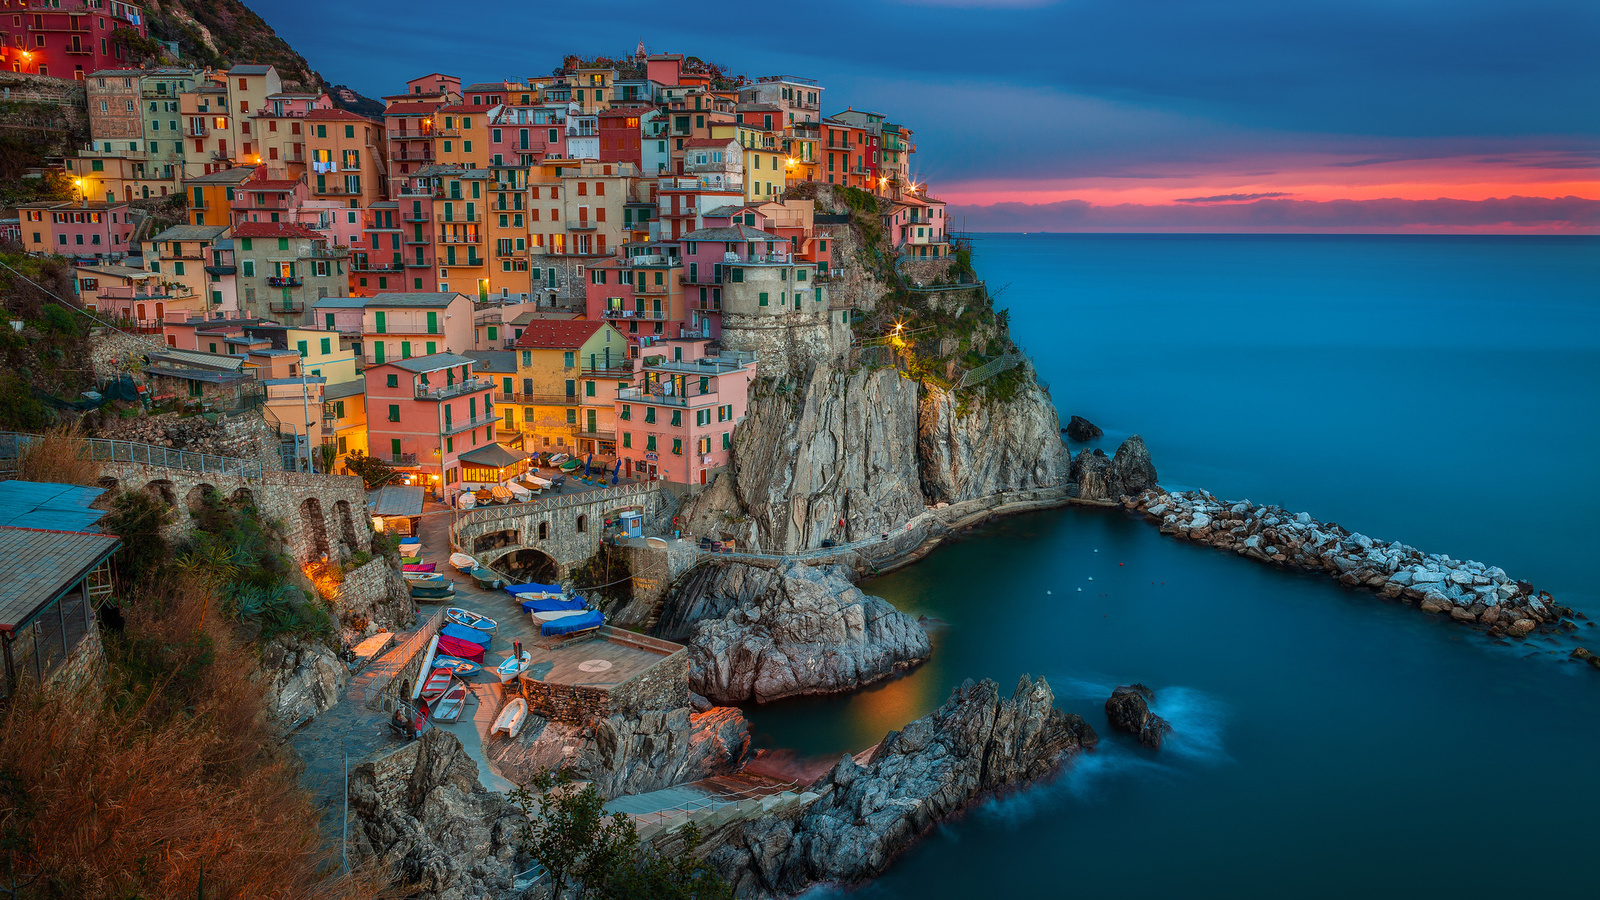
(614, 470)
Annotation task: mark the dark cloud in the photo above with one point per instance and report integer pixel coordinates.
(1553, 213)
(1223, 198)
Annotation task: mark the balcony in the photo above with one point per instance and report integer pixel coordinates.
(410, 135)
(445, 392)
(638, 395)
(547, 399)
(597, 435)
(655, 314)
(399, 459)
(363, 266)
(471, 261)
(279, 282)
(290, 307)
(323, 253)
(464, 237)
(469, 423)
(194, 132)
(580, 225)
(622, 370)
(414, 217)
(473, 217)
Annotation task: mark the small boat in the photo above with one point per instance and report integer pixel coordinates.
(411, 541)
(571, 465)
(466, 500)
(556, 460)
(547, 604)
(587, 621)
(432, 589)
(512, 666)
(435, 578)
(467, 650)
(461, 668)
(449, 707)
(533, 590)
(438, 682)
(486, 578)
(463, 633)
(550, 615)
(511, 718)
(418, 567)
(520, 493)
(411, 560)
(471, 619)
(463, 562)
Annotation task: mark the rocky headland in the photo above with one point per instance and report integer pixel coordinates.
(867, 812)
(763, 634)
(1468, 591)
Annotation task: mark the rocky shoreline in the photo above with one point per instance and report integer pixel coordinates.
(1468, 591)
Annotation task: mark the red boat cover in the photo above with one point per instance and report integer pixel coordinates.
(464, 649)
(418, 567)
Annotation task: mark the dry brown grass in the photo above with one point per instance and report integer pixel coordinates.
(171, 769)
(60, 455)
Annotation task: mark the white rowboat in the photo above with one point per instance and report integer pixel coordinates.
(511, 718)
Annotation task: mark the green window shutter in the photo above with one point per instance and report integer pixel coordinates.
(405, 349)
(283, 243)
(567, 359)
(322, 132)
(677, 446)
(199, 196)
(433, 323)
(527, 357)
(572, 417)
(677, 418)
(763, 298)
(493, 332)
(381, 322)
(432, 348)
(327, 320)
(244, 244)
(649, 415)
(394, 443)
(248, 267)
(338, 408)
(726, 442)
(326, 345)
(705, 384)
(394, 412)
(377, 352)
(588, 389)
(627, 439)
(301, 346)
(649, 442)
(177, 267)
(392, 381)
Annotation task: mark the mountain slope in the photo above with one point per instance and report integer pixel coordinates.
(220, 33)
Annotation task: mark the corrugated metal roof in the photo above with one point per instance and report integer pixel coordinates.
(345, 389)
(395, 500)
(415, 299)
(33, 504)
(38, 566)
(493, 360)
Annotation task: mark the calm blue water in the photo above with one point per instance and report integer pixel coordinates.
(1440, 391)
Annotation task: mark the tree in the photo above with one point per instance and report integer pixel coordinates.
(568, 833)
(139, 46)
(374, 472)
(327, 455)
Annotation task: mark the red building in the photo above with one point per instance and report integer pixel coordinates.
(67, 39)
(620, 134)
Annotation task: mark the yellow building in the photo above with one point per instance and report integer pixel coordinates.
(344, 416)
(345, 157)
(568, 373)
(211, 196)
(765, 169)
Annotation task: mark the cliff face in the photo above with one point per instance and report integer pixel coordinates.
(995, 446)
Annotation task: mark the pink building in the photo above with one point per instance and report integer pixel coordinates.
(89, 229)
(676, 422)
(423, 413)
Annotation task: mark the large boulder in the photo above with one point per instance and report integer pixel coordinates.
(305, 678)
(813, 632)
(1132, 468)
(1091, 469)
(1080, 429)
(1128, 709)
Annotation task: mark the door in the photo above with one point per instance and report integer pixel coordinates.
(592, 426)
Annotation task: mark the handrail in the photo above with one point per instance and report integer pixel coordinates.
(107, 450)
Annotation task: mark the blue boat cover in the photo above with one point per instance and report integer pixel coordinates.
(460, 666)
(533, 588)
(463, 633)
(569, 624)
(410, 540)
(550, 605)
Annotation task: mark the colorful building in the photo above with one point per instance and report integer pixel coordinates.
(675, 418)
(424, 412)
(567, 372)
(404, 325)
(67, 38)
(98, 230)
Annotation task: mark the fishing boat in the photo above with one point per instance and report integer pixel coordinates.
(448, 708)
(533, 590)
(437, 683)
(556, 460)
(461, 668)
(587, 621)
(551, 615)
(432, 592)
(547, 604)
(463, 562)
(411, 541)
(410, 560)
(466, 500)
(486, 578)
(468, 650)
(418, 567)
(423, 577)
(511, 718)
(571, 465)
(463, 633)
(471, 619)
(512, 666)
(518, 492)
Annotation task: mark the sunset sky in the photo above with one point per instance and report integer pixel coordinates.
(1106, 115)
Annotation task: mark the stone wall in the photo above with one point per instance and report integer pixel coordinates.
(664, 686)
(566, 703)
(785, 343)
(377, 593)
(113, 353)
(516, 526)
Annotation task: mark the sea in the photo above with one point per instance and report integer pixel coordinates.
(1443, 391)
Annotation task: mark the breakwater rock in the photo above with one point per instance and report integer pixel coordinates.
(1100, 477)
(867, 813)
(1466, 590)
(1080, 429)
(799, 630)
(1128, 708)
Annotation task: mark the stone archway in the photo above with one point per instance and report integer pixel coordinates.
(348, 544)
(314, 527)
(163, 490)
(494, 540)
(243, 498)
(530, 565)
(196, 498)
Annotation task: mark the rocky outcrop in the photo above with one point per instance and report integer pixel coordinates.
(628, 754)
(305, 678)
(866, 814)
(1466, 590)
(1080, 429)
(1128, 709)
(811, 632)
(993, 446)
(1101, 478)
(421, 812)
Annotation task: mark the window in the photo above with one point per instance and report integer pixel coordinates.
(677, 446)
(627, 412)
(677, 418)
(567, 361)
(326, 344)
(394, 410)
(727, 442)
(572, 417)
(627, 440)
(588, 389)
(381, 324)
(650, 442)
(650, 415)
(763, 300)
(393, 380)
(301, 346)
(247, 268)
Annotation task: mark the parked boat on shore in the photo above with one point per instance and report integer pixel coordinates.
(471, 619)
(511, 718)
(461, 668)
(463, 562)
(449, 707)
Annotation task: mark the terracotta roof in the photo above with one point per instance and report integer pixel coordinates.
(275, 230)
(411, 109)
(710, 142)
(336, 114)
(731, 233)
(557, 335)
(272, 184)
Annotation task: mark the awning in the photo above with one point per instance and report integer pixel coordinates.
(493, 456)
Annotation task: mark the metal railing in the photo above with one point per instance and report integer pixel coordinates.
(554, 502)
(104, 450)
(439, 392)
